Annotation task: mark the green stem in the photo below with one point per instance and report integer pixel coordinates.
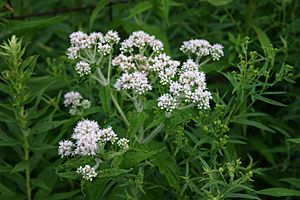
(26, 147)
(27, 170)
(119, 109)
(153, 133)
(109, 69)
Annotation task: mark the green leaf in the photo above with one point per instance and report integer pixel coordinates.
(140, 8)
(241, 196)
(253, 123)
(16, 25)
(279, 192)
(46, 126)
(20, 167)
(293, 181)
(40, 183)
(294, 140)
(101, 4)
(219, 2)
(64, 195)
(111, 173)
(135, 156)
(263, 38)
(267, 100)
(166, 164)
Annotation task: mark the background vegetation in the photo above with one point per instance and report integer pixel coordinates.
(261, 121)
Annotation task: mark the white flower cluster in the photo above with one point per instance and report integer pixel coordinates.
(141, 40)
(123, 143)
(83, 68)
(189, 87)
(135, 63)
(82, 41)
(165, 66)
(202, 48)
(168, 102)
(87, 172)
(136, 81)
(75, 101)
(88, 138)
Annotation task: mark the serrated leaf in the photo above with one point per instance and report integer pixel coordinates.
(279, 192)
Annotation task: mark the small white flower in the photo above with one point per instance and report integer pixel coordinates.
(85, 127)
(72, 52)
(104, 49)
(123, 143)
(82, 68)
(72, 98)
(140, 40)
(199, 47)
(137, 81)
(112, 37)
(201, 98)
(65, 148)
(167, 74)
(107, 135)
(176, 88)
(216, 51)
(168, 102)
(124, 62)
(87, 172)
(85, 104)
(96, 37)
(190, 65)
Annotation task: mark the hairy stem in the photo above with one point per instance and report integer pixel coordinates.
(119, 109)
(153, 133)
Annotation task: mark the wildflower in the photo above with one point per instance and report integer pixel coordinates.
(167, 102)
(87, 172)
(112, 37)
(85, 127)
(104, 49)
(72, 98)
(139, 40)
(72, 52)
(190, 65)
(86, 135)
(123, 143)
(107, 135)
(167, 74)
(76, 102)
(216, 51)
(65, 148)
(137, 81)
(124, 62)
(83, 68)
(199, 47)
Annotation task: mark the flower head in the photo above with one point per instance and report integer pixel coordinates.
(87, 172)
